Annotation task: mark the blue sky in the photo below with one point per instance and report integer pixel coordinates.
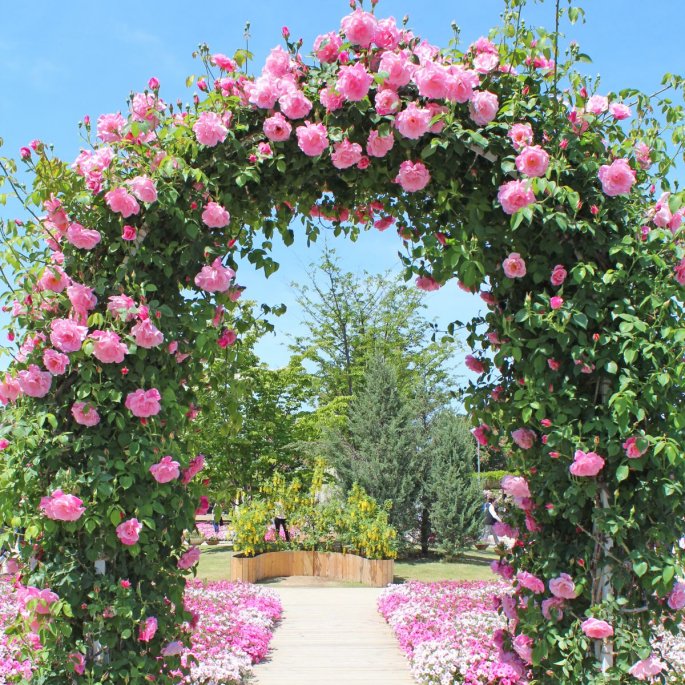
(60, 61)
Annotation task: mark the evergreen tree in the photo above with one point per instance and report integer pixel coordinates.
(457, 510)
(380, 448)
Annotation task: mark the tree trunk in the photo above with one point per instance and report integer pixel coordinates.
(425, 531)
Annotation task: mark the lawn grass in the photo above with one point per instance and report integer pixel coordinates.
(215, 564)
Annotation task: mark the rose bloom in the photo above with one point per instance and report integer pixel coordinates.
(143, 188)
(223, 62)
(514, 266)
(209, 129)
(85, 414)
(676, 598)
(379, 146)
(110, 127)
(9, 389)
(432, 80)
(294, 104)
(597, 104)
(196, 465)
(128, 532)
(121, 307)
(643, 155)
(61, 507)
(679, 270)
(215, 216)
(646, 669)
(146, 334)
(277, 128)
(515, 486)
(523, 646)
(81, 297)
(558, 275)
(128, 233)
(331, 99)
(165, 470)
(596, 628)
(619, 111)
(427, 283)
(521, 135)
(215, 277)
(327, 47)
(354, 82)
(277, 63)
(481, 434)
(55, 362)
(147, 629)
(108, 347)
(474, 364)
(563, 587)
(515, 195)
(483, 107)
(54, 279)
(346, 154)
(387, 101)
(530, 582)
(413, 176)
(617, 178)
(632, 449)
(144, 403)
(121, 201)
(312, 139)
(586, 464)
(34, 382)
(414, 121)
(190, 558)
(532, 161)
(552, 608)
(556, 302)
(203, 506)
(359, 28)
(83, 238)
(398, 68)
(524, 438)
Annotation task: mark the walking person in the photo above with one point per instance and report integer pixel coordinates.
(218, 516)
(279, 520)
(490, 518)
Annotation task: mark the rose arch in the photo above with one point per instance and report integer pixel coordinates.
(541, 199)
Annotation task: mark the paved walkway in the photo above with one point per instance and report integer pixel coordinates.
(332, 636)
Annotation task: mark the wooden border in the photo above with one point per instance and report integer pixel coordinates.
(332, 565)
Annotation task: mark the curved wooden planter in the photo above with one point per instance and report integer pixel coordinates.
(333, 565)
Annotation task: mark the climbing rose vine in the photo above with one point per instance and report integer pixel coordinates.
(499, 167)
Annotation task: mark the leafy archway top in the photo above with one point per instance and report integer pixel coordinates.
(540, 197)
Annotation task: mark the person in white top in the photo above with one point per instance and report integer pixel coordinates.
(491, 517)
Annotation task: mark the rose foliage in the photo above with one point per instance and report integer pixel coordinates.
(501, 166)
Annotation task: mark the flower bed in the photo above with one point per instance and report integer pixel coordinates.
(447, 631)
(233, 631)
(206, 530)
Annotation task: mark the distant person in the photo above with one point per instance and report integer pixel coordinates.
(279, 520)
(490, 518)
(218, 516)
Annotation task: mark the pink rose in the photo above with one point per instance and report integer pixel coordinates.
(294, 104)
(128, 233)
(203, 506)
(474, 364)
(558, 275)
(632, 449)
(215, 216)
(209, 129)
(121, 201)
(128, 532)
(556, 302)
(190, 558)
(327, 47)
(121, 307)
(515, 486)
(61, 507)
(144, 403)
(514, 266)
(643, 155)
(34, 382)
(55, 362)
(647, 668)
(427, 283)
(110, 127)
(524, 438)
(552, 608)
(619, 111)
(346, 154)
(398, 68)
(597, 104)
(515, 195)
(223, 62)
(586, 464)
(78, 662)
(413, 176)
(85, 414)
(386, 35)
(143, 188)
(359, 28)
(481, 434)
(523, 646)
(679, 270)
(596, 628)
(146, 334)
(53, 279)
(83, 238)
(108, 347)
(196, 465)
(215, 277)
(521, 135)
(165, 470)
(149, 627)
(432, 80)
(676, 598)
(312, 139)
(9, 389)
(330, 99)
(485, 62)
(501, 568)
(530, 582)
(387, 101)
(483, 107)
(563, 587)
(277, 63)
(81, 297)
(617, 178)
(532, 161)
(354, 82)
(228, 337)
(277, 128)
(414, 121)
(379, 146)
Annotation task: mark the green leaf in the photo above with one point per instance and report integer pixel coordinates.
(622, 472)
(640, 568)
(611, 367)
(579, 319)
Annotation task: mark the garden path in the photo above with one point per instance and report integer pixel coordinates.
(332, 636)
